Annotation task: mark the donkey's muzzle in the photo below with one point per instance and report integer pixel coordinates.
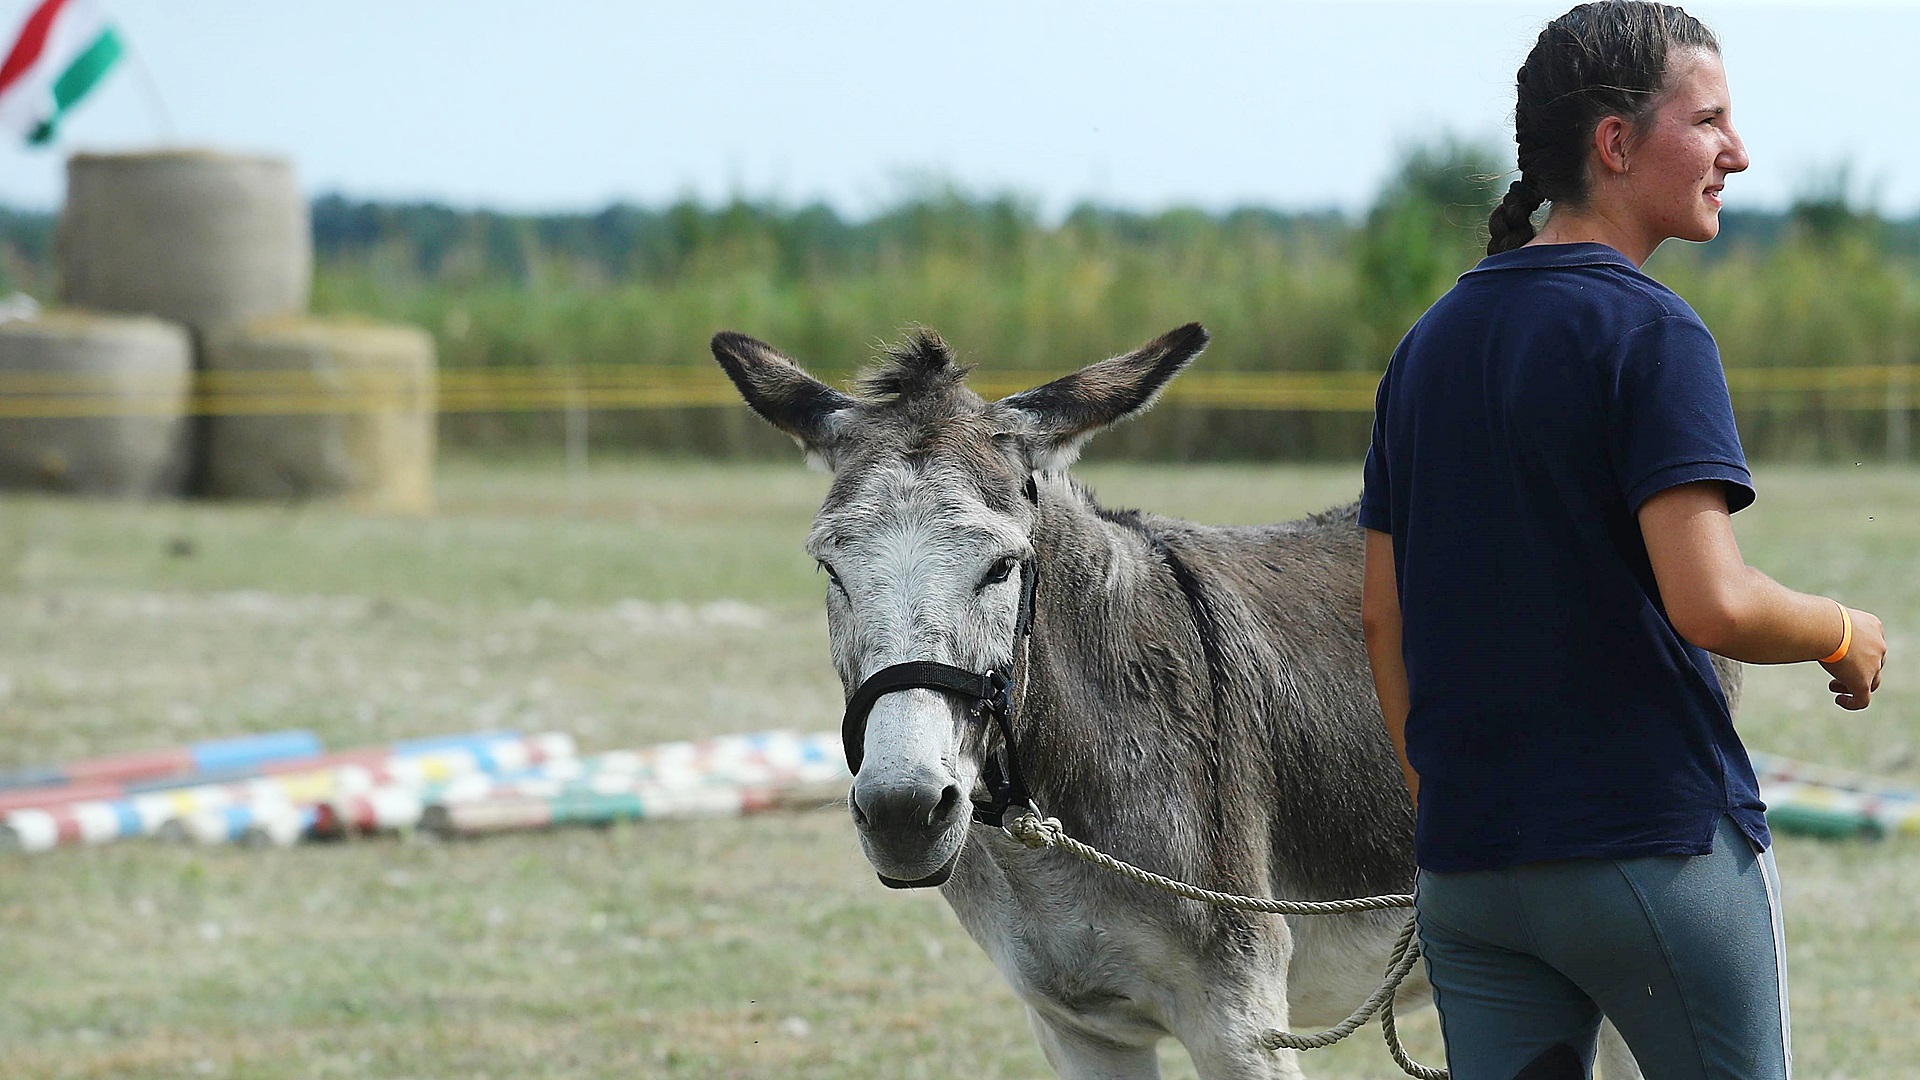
(931, 881)
(907, 809)
(905, 820)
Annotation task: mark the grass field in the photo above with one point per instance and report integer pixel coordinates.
(669, 599)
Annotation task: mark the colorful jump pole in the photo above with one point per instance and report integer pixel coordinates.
(216, 754)
(1834, 812)
(522, 813)
(1826, 801)
(267, 823)
(390, 799)
(771, 759)
(164, 811)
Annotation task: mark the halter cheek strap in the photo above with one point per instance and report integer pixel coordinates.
(990, 693)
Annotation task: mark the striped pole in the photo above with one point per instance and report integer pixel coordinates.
(1817, 811)
(395, 808)
(765, 760)
(1835, 812)
(350, 774)
(245, 751)
(1834, 802)
(522, 813)
(727, 774)
(454, 785)
(42, 797)
(745, 758)
(393, 796)
(1773, 767)
(266, 823)
(509, 746)
(50, 798)
(156, 813)
(386, 795)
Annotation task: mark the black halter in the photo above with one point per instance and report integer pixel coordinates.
(991, 694)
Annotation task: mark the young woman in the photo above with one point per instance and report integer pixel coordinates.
(1549, 564)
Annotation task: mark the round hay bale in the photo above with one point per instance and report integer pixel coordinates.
(306, 408)
(94, 404)
(199, 237)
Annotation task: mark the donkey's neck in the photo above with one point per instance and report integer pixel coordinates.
(1111, 625)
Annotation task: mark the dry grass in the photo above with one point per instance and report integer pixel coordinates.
(755, 948)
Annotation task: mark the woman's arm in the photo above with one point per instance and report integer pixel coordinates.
(1380, 622)
(1721, 604)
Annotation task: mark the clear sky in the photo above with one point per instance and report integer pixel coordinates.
(566, 105)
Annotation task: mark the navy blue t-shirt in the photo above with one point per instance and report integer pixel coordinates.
(1555, 712)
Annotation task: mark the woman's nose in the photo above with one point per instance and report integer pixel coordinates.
(1734, 157)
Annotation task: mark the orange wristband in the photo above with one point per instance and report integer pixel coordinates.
(1846, 636)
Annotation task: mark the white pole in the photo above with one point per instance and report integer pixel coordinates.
(576, 421)
(1899, 401)
(150, 87)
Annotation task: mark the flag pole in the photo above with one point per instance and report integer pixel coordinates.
(156, 102)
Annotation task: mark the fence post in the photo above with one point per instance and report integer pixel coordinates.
(576, 434)
(1899, 402)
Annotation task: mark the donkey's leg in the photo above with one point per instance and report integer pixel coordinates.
(1078, 1056)
(1233, 1051)
(1244, 1060)
(1226, 1042)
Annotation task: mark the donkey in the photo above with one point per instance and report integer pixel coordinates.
(1192, 699)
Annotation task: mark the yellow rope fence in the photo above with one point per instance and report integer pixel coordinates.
(1855, 388)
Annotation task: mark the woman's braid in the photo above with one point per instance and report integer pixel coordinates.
(1512, 222)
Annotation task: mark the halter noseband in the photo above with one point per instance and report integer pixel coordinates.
(991, 694)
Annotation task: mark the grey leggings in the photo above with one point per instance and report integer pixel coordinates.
(1682, 953)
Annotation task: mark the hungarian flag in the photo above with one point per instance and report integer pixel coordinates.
(65, 48)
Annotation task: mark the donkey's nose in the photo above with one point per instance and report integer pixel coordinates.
(906, 809)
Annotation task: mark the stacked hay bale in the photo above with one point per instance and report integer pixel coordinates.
(352, 413)
(293, 407)
(201, 238)
(131, 376)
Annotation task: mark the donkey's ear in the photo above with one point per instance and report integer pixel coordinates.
(789, 398)
(1063, 414)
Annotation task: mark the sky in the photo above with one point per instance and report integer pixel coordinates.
(564, 105)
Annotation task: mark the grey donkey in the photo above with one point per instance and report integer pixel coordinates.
(1191, 699)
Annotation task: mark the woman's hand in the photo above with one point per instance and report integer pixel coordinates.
(1857, 675)
(1718, 602)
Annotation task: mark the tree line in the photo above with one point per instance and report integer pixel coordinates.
(1426, 220)
(1826, 282)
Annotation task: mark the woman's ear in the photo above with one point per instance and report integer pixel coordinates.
(1610, 138)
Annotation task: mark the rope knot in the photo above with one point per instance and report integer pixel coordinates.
(1035, 831)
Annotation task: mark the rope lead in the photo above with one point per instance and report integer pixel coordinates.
(1036, 833)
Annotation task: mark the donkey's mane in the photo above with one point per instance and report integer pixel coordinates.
(922, 366)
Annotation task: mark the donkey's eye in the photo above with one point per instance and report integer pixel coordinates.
(831, 576)
(1001, 570)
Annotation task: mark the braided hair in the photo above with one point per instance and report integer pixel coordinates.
(1598, 60)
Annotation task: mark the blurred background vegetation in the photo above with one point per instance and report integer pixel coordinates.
(1828, 283)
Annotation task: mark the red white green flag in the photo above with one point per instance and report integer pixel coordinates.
(64, 50)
